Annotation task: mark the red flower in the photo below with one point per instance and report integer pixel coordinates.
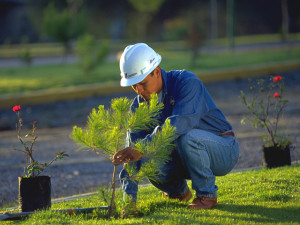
(16, 108)
(277, 78)
(276, 95)
(41, 167)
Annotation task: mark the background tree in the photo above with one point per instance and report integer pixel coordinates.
(285, 19)
(90, 53)
(213, 21)
(231, 23)
(146, 10)
(196, 32)
(25, 55)
(64, 26)
(106, 132)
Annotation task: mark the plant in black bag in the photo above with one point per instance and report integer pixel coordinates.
(266, 106)
(34, 190)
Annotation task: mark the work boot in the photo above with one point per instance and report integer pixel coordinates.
(203, 203)
(183, 198)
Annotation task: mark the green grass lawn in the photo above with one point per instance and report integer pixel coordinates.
(253, 197)
(17, 80)
(54, 49)
(27, 79)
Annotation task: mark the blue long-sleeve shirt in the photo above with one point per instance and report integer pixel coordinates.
(187, 104)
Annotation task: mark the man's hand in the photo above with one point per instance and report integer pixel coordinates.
(126, 155)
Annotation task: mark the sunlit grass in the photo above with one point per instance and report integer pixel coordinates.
(26, 79)
(179, 60)
(53, 49)
(253, 197)
(15, 80)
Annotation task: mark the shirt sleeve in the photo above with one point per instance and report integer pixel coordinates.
(191, 103)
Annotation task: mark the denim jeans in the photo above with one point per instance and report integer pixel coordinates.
(200, 156)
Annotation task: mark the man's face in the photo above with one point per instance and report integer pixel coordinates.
(151, 84)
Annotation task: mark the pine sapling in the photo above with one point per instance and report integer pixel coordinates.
(106, 132)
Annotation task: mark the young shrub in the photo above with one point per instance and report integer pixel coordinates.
(266, 105)
(33, 168)
(106, 132)
(90, 54)
(64, 26)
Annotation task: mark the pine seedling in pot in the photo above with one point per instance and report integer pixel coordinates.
(106, 132)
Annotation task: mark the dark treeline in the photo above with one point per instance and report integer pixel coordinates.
(120, 19)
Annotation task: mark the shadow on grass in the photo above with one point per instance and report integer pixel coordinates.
(260, 213)
(222, 212)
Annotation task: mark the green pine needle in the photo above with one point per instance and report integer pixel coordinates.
(106, 132)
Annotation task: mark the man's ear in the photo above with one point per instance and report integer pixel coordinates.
(157, 72)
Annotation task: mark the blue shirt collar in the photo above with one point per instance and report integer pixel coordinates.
(165, 88)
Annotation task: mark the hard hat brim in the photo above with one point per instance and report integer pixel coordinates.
(129, 82)
(125, 82)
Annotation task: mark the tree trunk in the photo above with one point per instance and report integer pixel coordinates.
(285, 19)
(111, 209)
(230, 23)
(213, 21)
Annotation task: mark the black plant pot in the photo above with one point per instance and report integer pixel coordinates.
(34, 193)
(276, 156)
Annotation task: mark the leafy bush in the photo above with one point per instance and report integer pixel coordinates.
(90, 53)
(266, 106)
(63, 26)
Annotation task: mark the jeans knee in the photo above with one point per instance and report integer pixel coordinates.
(191, 139)
(187, 143)
(182, 139)
(181, 143)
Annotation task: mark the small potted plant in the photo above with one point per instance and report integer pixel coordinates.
(266, 106)
(34, 190)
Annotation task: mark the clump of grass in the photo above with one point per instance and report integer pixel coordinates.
(253, 197)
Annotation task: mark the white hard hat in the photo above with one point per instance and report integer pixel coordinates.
(136, 62)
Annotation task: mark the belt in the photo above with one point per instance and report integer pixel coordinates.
(229, 133)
